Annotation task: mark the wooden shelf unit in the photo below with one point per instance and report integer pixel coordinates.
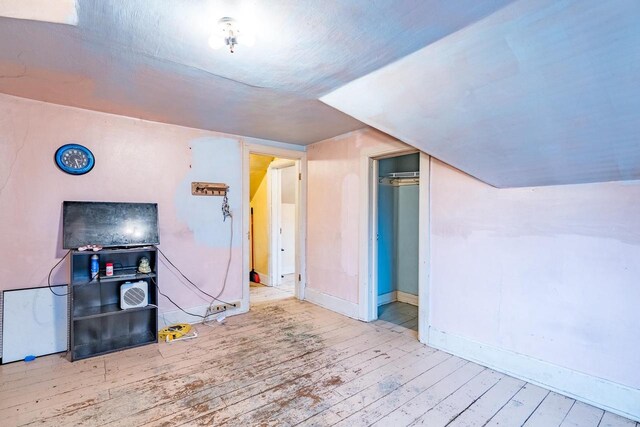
(97, 324)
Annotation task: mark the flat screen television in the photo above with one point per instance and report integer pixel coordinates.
(109, 224)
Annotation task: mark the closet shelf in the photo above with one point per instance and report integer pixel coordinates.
(400, 178)
(402, 175)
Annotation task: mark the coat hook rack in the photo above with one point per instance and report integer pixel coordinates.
(209, 189)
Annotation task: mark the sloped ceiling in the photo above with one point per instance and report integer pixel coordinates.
(258, 166)
(541, 92)
(151, 59)
(516, 93)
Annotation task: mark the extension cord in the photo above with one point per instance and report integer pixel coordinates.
(175, 332)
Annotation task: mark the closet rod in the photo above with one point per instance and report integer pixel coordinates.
(397, 182)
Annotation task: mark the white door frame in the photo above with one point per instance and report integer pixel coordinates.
(368, 292)
(274, 206)
(300, 159)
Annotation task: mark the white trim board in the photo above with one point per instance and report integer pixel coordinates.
(399, 296)
(424, 249)
(407, 298)
(339, 305)
(604, 394)
(387, 298)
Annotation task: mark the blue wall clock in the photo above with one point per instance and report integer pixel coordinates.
(74, 159)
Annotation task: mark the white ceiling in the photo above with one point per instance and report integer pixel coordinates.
(150, 59)
(541, 92)
(516, 93)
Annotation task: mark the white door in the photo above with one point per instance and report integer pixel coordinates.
(287, 249)
(288, 238)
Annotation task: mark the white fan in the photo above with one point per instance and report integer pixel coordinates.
(134, 295)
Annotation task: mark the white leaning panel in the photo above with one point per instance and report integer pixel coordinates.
(34, 322)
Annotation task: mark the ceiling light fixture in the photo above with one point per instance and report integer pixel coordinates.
(231, 35)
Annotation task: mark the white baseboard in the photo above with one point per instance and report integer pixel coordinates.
(407, 298)
(617, 398)
(387, 298)
(349, 309)
(177, 316)
(399, 296)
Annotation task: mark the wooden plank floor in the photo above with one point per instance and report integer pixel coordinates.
(284, 363)
(263, 294)
(400, 314)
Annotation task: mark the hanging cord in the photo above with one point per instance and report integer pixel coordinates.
(51, 272)
(226, 210)
(187, 285)
(193, 284)
(226, 213)
(226, 273)
(174, 303)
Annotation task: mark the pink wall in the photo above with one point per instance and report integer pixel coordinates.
(549, 272)
(333, 210)
(136, 161)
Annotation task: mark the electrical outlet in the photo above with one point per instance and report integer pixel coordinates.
(220, 307)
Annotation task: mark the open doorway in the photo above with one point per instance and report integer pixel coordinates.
(397, 226)
(273, 235)
(369, 238)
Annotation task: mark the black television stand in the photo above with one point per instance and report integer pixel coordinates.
(97, 324)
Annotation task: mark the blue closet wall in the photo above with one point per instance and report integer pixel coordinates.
(398, 229)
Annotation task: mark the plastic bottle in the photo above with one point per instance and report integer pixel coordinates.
(95, 266)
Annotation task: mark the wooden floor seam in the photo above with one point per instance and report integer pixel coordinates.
(285, 363)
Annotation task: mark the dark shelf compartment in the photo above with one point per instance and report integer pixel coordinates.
(110, 345)
(124, 250)
(82, 279)
(97, 325)
(134, 276)
(105, 310)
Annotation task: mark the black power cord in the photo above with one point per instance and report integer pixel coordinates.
(204, 318)
(226, 214)
(196, 286)
(51, 272)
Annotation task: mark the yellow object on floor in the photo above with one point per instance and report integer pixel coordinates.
(173, 332)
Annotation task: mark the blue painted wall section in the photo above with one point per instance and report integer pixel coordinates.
(398, 229)
(212, 160)
(386, 240)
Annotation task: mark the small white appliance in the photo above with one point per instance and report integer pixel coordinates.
(134, 295)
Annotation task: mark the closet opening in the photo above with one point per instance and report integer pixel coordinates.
(397, 235)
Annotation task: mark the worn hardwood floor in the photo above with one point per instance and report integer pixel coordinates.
(261, 294)
(400, 314)
(284, 363)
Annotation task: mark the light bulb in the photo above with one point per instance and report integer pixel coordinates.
(216, 42)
